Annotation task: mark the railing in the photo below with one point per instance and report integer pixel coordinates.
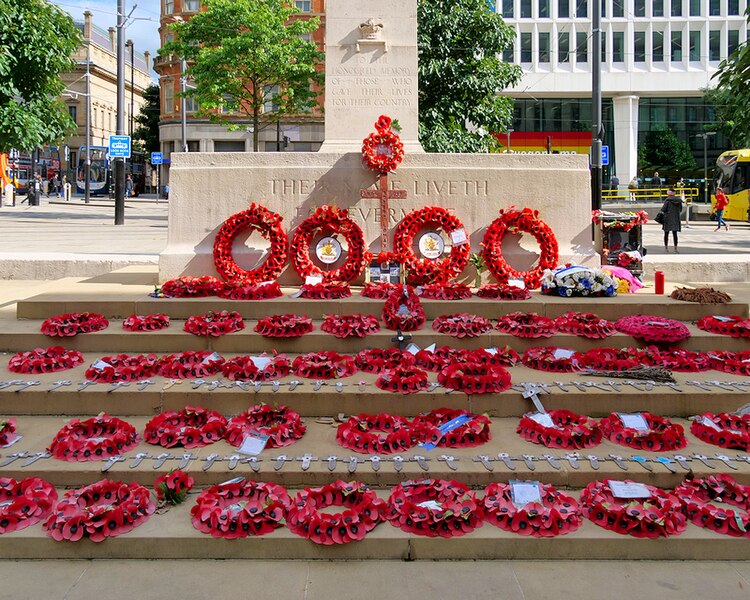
(649, 194)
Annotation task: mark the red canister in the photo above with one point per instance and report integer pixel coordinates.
(659, 282)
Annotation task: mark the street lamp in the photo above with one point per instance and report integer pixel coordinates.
(131, 45)
(704, 137)
(507, 133)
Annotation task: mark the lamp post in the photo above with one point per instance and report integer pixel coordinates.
(119, 169)
(87, 169)
(704, 137)
(507, 133)
(596, 106)
(183, 116)
(130, 44)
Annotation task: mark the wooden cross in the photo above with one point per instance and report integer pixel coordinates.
(385, 215)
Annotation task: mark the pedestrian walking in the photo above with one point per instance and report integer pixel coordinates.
(614, 183)
(672, 209)
(128, 187)
(721, 203)
(52, 187)
(61, 191)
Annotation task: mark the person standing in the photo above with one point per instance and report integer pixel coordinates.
(614, 183)
(721, 203)
(129, 186)
(657, 182)
(53, 185)
(672, 209)
(633, 187)
(63, 183)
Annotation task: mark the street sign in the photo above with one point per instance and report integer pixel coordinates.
(119, 146)
(156, 158)
(605, 155)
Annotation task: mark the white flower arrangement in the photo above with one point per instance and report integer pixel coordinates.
(573, 280)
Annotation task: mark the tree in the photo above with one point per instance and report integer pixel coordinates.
(662, 150)
(37, 40)
(244, 54)
(148, 120)
(460, 75)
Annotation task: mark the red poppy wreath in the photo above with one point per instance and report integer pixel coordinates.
(71, 324)
(652, 329)
(611, 359)
(661, 436)
(379, 360)
(736, 327)
(257, 368)
(268, 224)
(100, 510)
(586, 325)
(215, 324)
(555, 514)
(96, 438)
(526, 325)
(283, 326)
(238, 509)
(189, 364)
(122, 367)
(676, 359)
(382, 151)
(7, 432)
(192, 427)
(139, 323)
(334, 221)
(403, 380)
(324, 365)
(553, 359)
(347, 326)
(737, 363)
(283, 425)
(448, 291)
(504, 292)
(471, 430)
(324, 291)
(462, 325)
(512, 221)
(705, 502)
(443, 356)
(723, 430)
(434, 507)
(173, 487)
(24, 503)
(380, 290)
(425, 271)
(378, 434)
(362, 512)
(403, 310)
(568, 431)
(192, 287)
(474, 378)
(45, 360)
(238, 290)
(659, 515)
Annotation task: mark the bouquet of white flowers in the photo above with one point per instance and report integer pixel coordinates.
(572, 280)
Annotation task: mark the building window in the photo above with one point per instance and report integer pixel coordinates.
(303, 5)
(604, 9)
(194, 145)
(73, 112)
(582, 47)
(604, 47)
(168, 7)
(733, 7)
(657, 8)
(270, 92)
(228, 104)
(695, 46)
(525, 9)
(676, 8)
(509, 52)
(543, 9)
(563, 47)
(543, 47)
(563, 9)
(617, 9)
(93, 118)
(191, 105)
(639, 45)
(618, 46)
(582, 9)
(676, 54)
(657, 46)
(714, 45)
(640, 8)
(507, 9)
(695, 8)
(192, 5)
(525, 47)
(714, 8)
(733, 40)
(168, 98)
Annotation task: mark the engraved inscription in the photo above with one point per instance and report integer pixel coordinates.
(425, 187)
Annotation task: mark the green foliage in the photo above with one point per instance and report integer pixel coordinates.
(460, 75)
(148, 120)
(240, 51)
(36, 42)
(662, 150)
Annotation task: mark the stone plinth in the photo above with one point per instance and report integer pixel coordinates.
(206, 188)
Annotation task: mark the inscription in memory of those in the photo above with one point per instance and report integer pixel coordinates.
(372, 82)
(424, 187)
(368, 214)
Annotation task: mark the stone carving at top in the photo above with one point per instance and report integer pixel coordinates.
(371, 33)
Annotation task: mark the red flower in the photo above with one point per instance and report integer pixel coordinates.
(462, 325)
(188, 365)
(45, 360)
(93, 439)
(735, 326)
(245, 368)
(191, 287)
(7, 431)
(122, 367)
(504, 292)
(526, 325)
(284, 326)
(324, 365)
(570, 431)
(173, 487)
(700, 497)
(403, 380)
(382, 151)
(586, 325)
(24, 503)
(403, 310)
(723, 430)
(346, 326)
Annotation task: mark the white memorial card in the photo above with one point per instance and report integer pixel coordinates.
(634, 421)
(459, 237)
(518, 283)
(561, 353)
(253, 443)
(524, 492)
(543, 419)
(629, 489)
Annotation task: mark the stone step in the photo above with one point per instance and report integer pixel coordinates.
(685, 401)
(320, 442)
(171, 535)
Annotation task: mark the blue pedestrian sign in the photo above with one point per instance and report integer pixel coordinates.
(119, 146)
(605, 155)
(156, 158)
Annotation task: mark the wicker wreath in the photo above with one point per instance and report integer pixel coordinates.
(662, 435)
(24, 503)
(723, 430)
(378, 434)
(97, 438)
(283, 425)
(192, 427)
(699, 496)
(122, 367)
(569, 431)
(268, 224)
(45, 360)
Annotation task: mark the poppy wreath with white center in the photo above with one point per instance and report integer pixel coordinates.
(324, 365)
(243, 368)
(556, 514)
(586, 325)
(45, 360)
(705, 502)
(378, 434)
(122, 367)
(189, 364)
(334, 221)
(324, 291)
(662, 435)
(268, 224)
(572, 431)
(542, 358)
(661, 515)
(24, 503)
(192, 287)
(247, 291)
(403, 380)
(138, 323)
(346, 326)
(512, 220)
(382, 150)
(7, 431)
(173, 487)
(283, 425)
(215, 324)
(733, 430)
(494, 291)
(362, 512)
(284, 326)
(737, 363)
(675, 359)
(474, 432)
(462, 325)
(611, 359)
(736, 328)
(414, 317)
(526, 325)
(100, 510)
(380, 360)
(459, 511)
(71, 324)
(448, 291)
(97, 438)
(379, 291)
(240, 509)
(425, 271)
(652, 329)
(475, 378)
(192, 427)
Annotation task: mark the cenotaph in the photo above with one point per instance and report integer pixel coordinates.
(371, 69)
